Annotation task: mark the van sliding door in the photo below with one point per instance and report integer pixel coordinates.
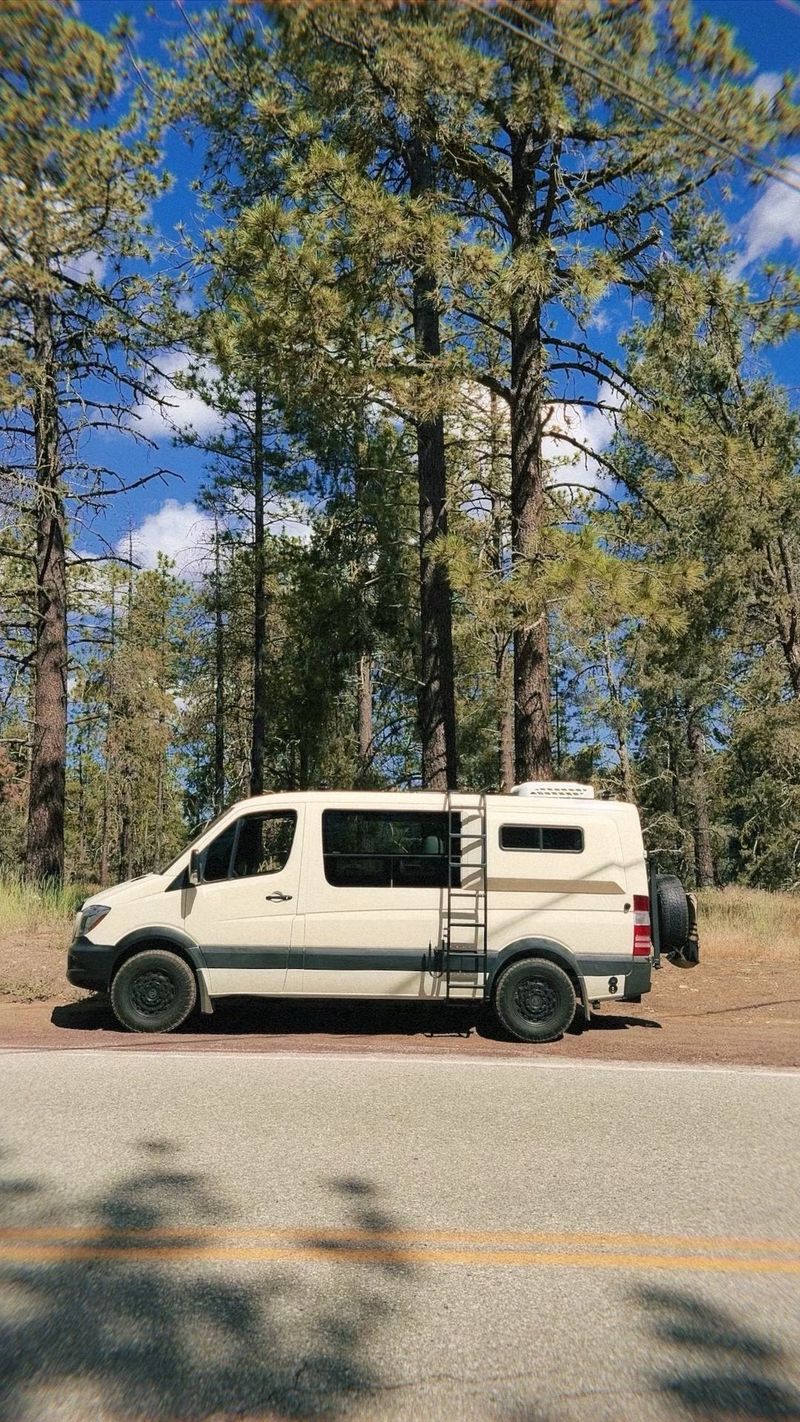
(374, 923)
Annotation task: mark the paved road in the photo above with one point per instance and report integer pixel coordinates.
(281, 1237)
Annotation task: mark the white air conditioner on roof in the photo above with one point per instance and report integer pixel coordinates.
(559, 789)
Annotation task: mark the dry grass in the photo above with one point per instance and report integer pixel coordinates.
(27, 909)
(35, 931)
(749, 924)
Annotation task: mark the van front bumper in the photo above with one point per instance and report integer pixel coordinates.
(89, 964)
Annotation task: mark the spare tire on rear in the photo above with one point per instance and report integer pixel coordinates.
(673, 912)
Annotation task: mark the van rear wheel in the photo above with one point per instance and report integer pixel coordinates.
(153, 992)
(535, 1000)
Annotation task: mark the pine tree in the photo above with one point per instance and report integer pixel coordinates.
(76, 326)
(324, 252)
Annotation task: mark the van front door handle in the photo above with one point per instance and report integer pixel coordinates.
(278, 898)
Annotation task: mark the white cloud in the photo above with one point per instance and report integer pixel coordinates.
(283, 522)
(600, 319)
(773, 220)
(767, 84)
(182, 532)
(176, 411)
(592, 428)
(87, 266)
(185, 534)
(566, 425)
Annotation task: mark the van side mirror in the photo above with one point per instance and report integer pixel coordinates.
(194, 867)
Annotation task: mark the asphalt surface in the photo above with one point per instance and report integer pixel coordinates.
(218, 1236)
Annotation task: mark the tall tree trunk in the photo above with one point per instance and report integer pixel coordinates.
(783, 574)
(259, 604)
(47, 789)
(125, 861)
(618, 722)
(105, 827)
(437, 714)
(364, 712)
(533, 751)
(701, 827)
(503, 659)
(219, 682)
(504, 682)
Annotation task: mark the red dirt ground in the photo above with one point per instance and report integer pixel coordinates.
(717, 1013)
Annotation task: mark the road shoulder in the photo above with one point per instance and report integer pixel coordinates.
(749, 1015)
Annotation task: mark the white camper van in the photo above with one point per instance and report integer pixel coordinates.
(538, 902)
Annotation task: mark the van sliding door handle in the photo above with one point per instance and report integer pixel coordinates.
(277, 898)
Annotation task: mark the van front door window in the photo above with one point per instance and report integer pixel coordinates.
(264, 844)
(254, 845)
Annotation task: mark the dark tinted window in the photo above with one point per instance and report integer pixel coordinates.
(264, 843)
(373, 848)
(557, 839)
(216, 859)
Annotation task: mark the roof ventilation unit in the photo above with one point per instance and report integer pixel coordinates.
(557, 789)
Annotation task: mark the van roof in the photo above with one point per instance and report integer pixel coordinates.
(523, 805)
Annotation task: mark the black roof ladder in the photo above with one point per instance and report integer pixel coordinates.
(465, 930)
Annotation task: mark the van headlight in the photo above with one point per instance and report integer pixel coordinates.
(91, 916)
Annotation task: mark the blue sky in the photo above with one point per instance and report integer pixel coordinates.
(766, 220)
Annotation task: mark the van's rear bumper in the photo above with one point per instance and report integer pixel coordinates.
(89, 964)
(637, 979)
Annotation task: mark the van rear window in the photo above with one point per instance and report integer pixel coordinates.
(550, 839)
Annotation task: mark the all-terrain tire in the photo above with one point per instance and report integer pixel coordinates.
(673, 912)
(535, 1000)
(153, 992)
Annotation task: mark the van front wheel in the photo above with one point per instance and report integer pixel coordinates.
(153, 992)
(535, 1000)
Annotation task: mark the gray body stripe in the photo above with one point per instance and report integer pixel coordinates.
(244, 957)
(339, 959)
(375, 960)
(606, 967)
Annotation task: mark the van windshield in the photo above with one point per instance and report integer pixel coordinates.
(206, 825)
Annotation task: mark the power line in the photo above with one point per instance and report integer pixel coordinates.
(614, 70)
(678, 118)
(708, 130)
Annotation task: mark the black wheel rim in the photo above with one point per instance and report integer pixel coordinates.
(536, 1000)
(152, 992)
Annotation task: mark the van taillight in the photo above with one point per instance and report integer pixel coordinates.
(641, 926)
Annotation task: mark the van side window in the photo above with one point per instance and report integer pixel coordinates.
(264, 843)
(387, 849)
(217, 858)
(255, 844)
(558, 839)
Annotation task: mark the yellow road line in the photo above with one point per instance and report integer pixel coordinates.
(299, 1253)
(310, 1235)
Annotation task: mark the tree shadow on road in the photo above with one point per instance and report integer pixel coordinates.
(93, 1326)
(722, 1370)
